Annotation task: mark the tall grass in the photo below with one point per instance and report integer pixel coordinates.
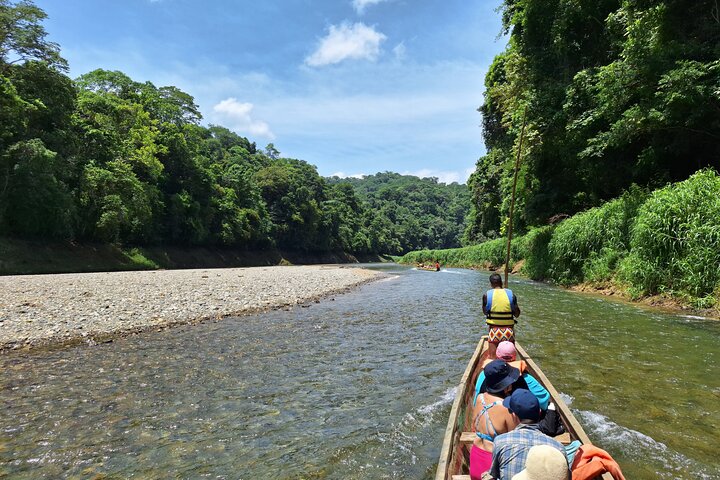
(537, 256)
(588, 246)
(675, 245)
(488, 254)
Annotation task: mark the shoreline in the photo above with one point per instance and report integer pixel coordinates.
(655, 302)
(64, 310)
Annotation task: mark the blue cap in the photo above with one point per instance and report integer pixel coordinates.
(524, 404)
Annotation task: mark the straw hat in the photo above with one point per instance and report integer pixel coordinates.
(544, 463)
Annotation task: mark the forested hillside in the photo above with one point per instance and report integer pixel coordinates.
(105, 158)
(616, 92)
(411, 213)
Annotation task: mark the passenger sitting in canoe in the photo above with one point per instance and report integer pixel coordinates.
(550, 420)
(511, 449)
(490, 417)
(506, 351)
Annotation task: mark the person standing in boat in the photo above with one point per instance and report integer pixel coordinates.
(500, 306)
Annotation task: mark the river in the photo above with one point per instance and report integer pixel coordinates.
(356, 387)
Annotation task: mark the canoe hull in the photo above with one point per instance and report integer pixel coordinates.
(455, 455)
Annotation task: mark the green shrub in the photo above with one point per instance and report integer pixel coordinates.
(675, 241)
(138, 260)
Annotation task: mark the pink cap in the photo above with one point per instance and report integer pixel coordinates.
(506, 351)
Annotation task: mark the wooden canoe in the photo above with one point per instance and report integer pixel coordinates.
(429, 268)
(454, 461)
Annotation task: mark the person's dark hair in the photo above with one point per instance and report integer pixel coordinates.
(495, 279)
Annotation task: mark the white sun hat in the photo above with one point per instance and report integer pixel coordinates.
(544, 463)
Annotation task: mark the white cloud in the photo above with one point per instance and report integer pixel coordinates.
(237, 116)
(346, 41)
(345, 175)
(469, 171)
(359, 5)
(443, 176)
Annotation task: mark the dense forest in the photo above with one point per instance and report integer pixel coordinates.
(104, 158)
(613, 92)
(410, 212)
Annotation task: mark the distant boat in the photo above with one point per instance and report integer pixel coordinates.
(430, 268)
(454, 461)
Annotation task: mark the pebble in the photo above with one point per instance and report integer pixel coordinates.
(106, 304)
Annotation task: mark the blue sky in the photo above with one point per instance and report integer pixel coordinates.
(351, 86)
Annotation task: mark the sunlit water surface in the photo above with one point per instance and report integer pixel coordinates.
(356, 387)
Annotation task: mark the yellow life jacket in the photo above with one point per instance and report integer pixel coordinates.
(498, 310)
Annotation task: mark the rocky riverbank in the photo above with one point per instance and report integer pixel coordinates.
(42, 310)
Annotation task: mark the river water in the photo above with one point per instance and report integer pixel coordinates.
(356, 387)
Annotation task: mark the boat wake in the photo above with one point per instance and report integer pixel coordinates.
(638, 446)
(695, 317)
(389, 278)
(407, 435)
(428, 411)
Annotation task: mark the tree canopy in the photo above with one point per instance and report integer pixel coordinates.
(615, 93)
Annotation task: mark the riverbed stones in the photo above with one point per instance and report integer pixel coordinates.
(89, 307)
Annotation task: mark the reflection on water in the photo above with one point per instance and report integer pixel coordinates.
(358, 387)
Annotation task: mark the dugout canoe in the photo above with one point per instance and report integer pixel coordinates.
(454, 461)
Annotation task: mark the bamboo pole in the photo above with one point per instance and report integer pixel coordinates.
(512, 199)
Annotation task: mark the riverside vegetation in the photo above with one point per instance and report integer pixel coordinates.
(664, 242)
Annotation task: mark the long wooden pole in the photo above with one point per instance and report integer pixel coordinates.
(512, 200)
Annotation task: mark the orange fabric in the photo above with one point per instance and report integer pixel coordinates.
(520, 365)
(591, 461)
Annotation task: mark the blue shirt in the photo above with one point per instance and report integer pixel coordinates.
(511, 449)
(533, 385)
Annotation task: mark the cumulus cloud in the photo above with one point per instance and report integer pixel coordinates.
(359, 5)
(345, 175)
(443, 176)
(346, 41)
(237, 116)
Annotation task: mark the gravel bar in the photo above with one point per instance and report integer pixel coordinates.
(66, 309)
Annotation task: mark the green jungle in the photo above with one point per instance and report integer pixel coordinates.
(611, 109)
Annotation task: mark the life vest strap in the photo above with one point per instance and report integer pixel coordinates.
(500, 322)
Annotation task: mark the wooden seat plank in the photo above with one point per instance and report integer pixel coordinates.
(467, 438)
